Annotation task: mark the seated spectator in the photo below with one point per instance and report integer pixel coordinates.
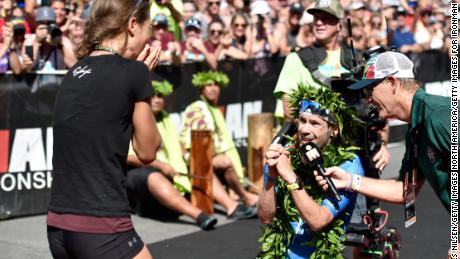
(169, 181)
(173, 10)
(51, 50)
(193, 48)
(241, 33)
(158, 180)
(165, 39)
(205, 114)
(219, 42)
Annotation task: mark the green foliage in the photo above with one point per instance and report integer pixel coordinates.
(346, 118)
(163, 88)
(203, 79)
(327, 242)
(278, 235)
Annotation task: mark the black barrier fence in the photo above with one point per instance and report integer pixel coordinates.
(26, 110)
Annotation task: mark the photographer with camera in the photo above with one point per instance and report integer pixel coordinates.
(48, 49)
(389, 84)
(303, 217)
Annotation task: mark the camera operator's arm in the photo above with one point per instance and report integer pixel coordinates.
(384, 190)
(68, 53)
(382, 157)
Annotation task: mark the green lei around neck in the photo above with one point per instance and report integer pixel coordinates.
(279, 234)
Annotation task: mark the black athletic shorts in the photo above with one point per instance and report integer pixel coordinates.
(77, 245)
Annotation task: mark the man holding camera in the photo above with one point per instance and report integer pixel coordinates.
(303, 209)
(389, 84)
(318, 64)
(48, 49)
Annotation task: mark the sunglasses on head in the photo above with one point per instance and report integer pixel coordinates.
(315, 108)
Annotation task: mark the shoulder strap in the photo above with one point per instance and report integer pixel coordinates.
(311, 57)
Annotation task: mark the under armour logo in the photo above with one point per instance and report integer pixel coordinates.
(132, 242)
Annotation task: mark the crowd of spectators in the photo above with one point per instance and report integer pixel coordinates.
(43, 34)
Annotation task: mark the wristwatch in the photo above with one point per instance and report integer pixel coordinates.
(297, 185)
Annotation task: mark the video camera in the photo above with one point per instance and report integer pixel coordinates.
(369, 137)
(375, 240)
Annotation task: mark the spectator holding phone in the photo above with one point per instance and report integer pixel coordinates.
(51, 49)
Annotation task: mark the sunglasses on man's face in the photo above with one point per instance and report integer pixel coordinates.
(242, 25)
(215, 32)
(214, 3)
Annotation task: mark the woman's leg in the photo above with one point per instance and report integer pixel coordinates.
(144, 254)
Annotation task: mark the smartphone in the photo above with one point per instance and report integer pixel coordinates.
(30, 52)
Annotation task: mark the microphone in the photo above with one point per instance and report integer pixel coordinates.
(311, 156)
(288, 129)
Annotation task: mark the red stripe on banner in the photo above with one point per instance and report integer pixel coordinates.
(4, 148)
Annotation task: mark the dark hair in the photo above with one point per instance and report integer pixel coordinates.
(109, 18)
(216, 20)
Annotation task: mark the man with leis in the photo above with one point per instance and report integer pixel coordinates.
(205, 114)
(305, 221)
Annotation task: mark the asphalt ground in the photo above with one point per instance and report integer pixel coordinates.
(429, 238)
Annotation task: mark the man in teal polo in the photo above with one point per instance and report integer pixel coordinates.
(389, 84)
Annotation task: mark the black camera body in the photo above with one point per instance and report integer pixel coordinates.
(55, 32)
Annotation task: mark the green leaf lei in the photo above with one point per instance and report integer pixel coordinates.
(163, 88)
(278, 235)
(203, 79)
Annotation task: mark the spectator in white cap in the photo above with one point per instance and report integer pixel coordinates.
(264, 43)
(389, 84)
(51, 49)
